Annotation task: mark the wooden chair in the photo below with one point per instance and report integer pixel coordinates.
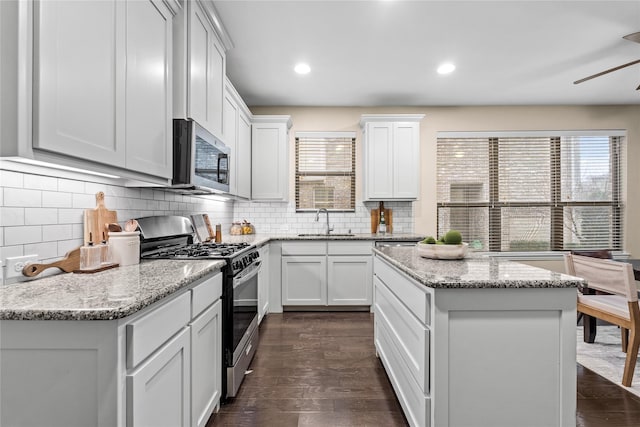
(620, 308)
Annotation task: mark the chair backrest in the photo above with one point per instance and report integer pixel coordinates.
(605, 275)
(594, 253)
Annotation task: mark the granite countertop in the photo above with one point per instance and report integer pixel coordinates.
(122, 291)
(107, 295)
(261, 239)
(477, 270)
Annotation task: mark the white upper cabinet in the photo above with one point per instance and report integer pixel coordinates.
(149, 130)
(98, 85)
(391, 150)
(78, 80)
(270, 158)
(200, 66)
(236, 129)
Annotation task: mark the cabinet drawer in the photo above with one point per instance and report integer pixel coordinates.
(149, 332)
(417, 300)
(408, 335)
(205, 294)
(416, 406)
(349, 248)
(304, 248)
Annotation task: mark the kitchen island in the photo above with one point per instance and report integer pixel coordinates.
(476, 342)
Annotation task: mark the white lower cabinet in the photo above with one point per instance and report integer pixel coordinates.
(304, 280)
(206, 364)
(349, 280)
(326, 273)
(158, 391)
(158, 367)
(263, 282)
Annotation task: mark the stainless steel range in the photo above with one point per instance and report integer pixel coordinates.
(172, 237)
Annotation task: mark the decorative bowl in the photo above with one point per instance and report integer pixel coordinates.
(434, 251)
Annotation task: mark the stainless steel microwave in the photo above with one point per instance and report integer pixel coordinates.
(200, 160)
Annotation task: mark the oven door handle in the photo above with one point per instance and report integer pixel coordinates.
(246, 275)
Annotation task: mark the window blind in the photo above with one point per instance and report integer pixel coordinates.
(532, 193)
(325, 172)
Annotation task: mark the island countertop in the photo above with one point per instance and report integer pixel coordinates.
(107, 295)
(477, 270)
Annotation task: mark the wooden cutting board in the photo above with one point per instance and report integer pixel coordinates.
(96, 220)
(375, 219)
(69, 263)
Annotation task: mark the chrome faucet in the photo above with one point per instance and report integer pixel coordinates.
(329, 229)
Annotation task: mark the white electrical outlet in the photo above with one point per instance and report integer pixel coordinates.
(15, 265)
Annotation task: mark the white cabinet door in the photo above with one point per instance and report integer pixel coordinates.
(206, 364)
(379, 167)
(148, 88)
(243, 159)
(206, 72)
(349, 280)
(263, 283)
(102, 89)
(406, 160)
(230, 131)
(78, 62)
(391, 156)
(158, 392)
(304, 280)
(269, 158)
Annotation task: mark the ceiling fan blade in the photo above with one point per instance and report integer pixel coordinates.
(634, 37)
(607, 71)
(638, 88)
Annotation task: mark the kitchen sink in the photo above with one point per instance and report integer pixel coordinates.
(325, 235)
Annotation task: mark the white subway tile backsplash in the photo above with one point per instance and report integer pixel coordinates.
(93, 188)
(20, 197)
(65, 246)
(70, 216)
(70, 185)
(11, 179)
(84, 201)
(54, 199)
(35, 216)
(57, 232)
(10, 216)
(49, 220)
(146, 193)
(10, 251)
(39, 182)
(21, 235)
(45, 251)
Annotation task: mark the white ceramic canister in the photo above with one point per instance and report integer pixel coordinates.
(124, 247)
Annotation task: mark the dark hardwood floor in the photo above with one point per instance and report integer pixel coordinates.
(320, 369)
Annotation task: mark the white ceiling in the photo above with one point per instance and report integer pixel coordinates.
(385, 53)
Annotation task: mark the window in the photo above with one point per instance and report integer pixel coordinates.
(325, 171)
(532, 192)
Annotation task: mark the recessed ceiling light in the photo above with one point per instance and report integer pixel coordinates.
(446, 68)
(302, 68)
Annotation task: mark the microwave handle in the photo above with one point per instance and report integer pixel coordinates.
(226, 175)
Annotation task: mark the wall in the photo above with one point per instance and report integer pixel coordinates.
(42, 213)
(491, 118)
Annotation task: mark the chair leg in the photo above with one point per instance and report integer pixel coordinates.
(625, 339)
(632, 356)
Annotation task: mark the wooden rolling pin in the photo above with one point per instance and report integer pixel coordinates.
(69, 263)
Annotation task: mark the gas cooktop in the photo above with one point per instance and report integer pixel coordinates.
(196, 251)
